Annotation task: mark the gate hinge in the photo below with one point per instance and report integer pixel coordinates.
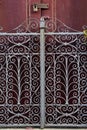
(37, 6)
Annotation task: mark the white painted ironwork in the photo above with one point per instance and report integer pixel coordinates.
(42, 70)
(43, 76)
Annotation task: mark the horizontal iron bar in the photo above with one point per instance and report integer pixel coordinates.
(49, 33)
(66, 125)
(18, 125)
(64, 33)
(20, 34)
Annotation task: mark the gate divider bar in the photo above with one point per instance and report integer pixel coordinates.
(48, 33)
(42, 70)
(64, 33)
(19, 34)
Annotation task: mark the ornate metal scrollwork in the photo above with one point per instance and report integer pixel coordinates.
(19, 80)
(56, 25)
(65, 91)
(28, 26)
(65, 71)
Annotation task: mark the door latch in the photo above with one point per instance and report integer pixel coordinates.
(36, 7)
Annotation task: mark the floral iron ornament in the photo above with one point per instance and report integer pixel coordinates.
(65, 88)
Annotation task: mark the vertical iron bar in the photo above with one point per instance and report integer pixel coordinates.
(42, 70)
(66, 81)
(78, 77)
(19, 88)
(6, 78)
(30, 62)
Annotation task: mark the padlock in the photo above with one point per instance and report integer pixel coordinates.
(35, 7)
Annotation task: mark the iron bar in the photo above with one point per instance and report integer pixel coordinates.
(19, 34)
(19, 86)
(67, 81)
(42, 70)
(64, 33)
(49, 33)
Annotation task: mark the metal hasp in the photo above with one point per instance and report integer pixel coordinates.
(36, 6)
(42, 70)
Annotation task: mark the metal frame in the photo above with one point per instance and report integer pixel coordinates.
(43, 76)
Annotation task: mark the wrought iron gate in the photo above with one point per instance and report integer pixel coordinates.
(43, 76)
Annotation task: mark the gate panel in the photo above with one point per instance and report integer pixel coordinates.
(23, 101)
(83, 81)
(19, 81)
(65, 90)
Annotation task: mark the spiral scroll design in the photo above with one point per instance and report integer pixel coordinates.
(66, 75)
(30, 25)
(57, 26)
(19, 80)
(2, 79)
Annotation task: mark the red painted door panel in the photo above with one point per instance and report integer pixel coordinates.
(12, 13)
(71, 12)
(30, 12)
(50, 12)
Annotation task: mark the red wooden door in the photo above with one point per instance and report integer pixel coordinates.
(50, 12)
(72, 13)
(12, 13)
